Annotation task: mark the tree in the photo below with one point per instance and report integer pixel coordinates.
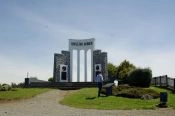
(50, 79)
(123, 70)
(112, 71)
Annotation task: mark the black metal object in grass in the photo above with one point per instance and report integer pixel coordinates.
(163, 100)
(108, 88)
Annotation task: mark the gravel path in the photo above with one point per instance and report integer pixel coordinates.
(46, 104)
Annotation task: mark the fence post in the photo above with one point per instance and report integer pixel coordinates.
(155, 80)
(166, 80)
(160, 82)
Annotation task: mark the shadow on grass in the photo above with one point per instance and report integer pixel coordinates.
(90, 98)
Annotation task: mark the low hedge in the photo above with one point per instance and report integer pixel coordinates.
(133, 92)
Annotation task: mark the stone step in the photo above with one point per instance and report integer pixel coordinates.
(67, 85)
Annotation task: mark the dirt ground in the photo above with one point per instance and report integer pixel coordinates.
(46, 104)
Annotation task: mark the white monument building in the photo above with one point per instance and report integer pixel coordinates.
(63, 63)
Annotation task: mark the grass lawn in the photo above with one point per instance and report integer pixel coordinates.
(21, 93)
(87, 98)
(171, 96)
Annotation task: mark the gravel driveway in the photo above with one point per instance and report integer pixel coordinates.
(46, 104)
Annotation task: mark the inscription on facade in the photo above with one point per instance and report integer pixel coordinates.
(81, 43)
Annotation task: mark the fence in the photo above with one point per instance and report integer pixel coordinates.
(164, 81)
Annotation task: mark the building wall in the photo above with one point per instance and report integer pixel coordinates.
(100, 58)
(67, 62)
(63, 58)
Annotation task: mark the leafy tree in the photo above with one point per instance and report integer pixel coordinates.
(50, 79)
(123, 70)
(112, 71)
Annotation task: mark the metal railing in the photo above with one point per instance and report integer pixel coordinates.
(164, 81)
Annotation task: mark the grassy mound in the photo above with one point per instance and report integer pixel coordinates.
(133, 92)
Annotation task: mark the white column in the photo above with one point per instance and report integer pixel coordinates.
(71, 63)
(78, 65)
(92, 80)
(85, 65)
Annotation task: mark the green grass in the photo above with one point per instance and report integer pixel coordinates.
(171, 96)
(21, 93)
(87, 98)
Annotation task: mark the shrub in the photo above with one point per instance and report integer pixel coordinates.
(6, 87)
(21, 85)
(14, 85)
(140, 77)
(133, 92)
(119, 88)
(50, 79)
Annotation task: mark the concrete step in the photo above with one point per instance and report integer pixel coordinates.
(63, 84)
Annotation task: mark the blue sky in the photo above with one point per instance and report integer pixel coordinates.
(31, 31)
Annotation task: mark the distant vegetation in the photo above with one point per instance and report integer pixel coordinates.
(128, 73)
(7, 87)
(50, 79)
(120, 72)
(17, 91)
